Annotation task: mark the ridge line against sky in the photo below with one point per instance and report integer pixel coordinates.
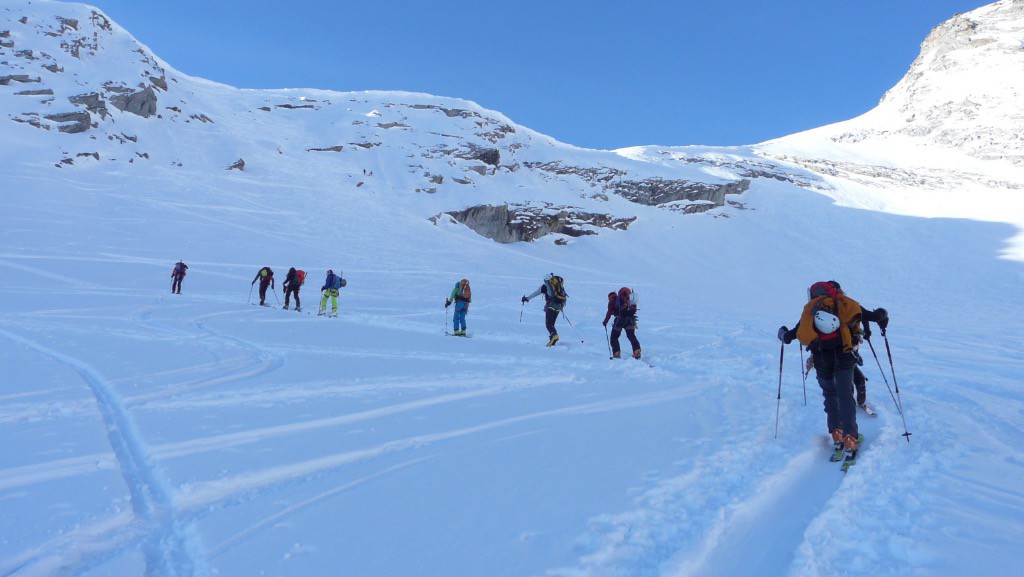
(595, 74)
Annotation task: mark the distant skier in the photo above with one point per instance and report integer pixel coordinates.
(622, 306)
(555, 298)
(830, 327)
(461, 295)
(330, 290)
(266, 278)
(291, 285)
(177, 275)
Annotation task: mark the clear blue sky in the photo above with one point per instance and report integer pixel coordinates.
(596, 73)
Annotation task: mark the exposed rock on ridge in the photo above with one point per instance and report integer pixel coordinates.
(521, 222)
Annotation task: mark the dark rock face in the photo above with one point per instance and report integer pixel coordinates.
(71, 122)
(663, 193)
(142, 103)
(237, 165)
(515, 223)
(93, 102)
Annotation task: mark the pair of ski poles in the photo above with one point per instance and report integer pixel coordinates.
(896, 398)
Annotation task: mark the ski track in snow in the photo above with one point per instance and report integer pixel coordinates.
(167, 546)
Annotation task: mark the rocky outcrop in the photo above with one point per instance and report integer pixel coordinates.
(662, 193)
(519, 222)
(141, 103)
(71, 122)
(93, 102)
(237, 165)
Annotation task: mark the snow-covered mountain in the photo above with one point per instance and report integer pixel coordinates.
(190, 435)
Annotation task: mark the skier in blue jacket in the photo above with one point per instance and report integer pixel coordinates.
(330, 290)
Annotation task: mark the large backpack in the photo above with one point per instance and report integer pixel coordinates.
(464, 290)
(825, 297)
(268, 276)
(557, 288)
(338, 282)
(300, 277)
(180, 269)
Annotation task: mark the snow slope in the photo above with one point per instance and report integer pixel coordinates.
(188, 435)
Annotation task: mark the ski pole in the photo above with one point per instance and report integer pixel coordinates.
(572, 327)
(446, 321)
(521, 312)
(778, 402)
(899, 400)
(803, 374)
(884, 378)
(249, 301)
(608, 339)
(275, 296)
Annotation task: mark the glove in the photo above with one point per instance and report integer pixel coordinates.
(525, 300)
(883, 317)
(605, 323)
(252, 283)
(784, 335)
(867, 333)
(447, 303)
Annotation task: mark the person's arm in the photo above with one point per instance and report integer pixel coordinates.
(787, 335)
(878, 316)
(535, 293)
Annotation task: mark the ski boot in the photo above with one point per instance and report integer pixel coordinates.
(617, 355)
(636, 353)
(553, 340)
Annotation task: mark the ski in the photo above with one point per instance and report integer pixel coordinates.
(837, 453)
(850, 458)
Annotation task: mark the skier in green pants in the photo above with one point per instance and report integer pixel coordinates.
(330, 290)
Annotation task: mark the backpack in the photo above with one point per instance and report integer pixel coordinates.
(464, 291)
(557, 286)
(825, 297)
(300, 277)
(179, 269)
(625, 302)
(338, 282)
(269, 273)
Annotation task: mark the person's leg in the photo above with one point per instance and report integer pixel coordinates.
(631, 335)
(287, 293)
(334, 302)
(295, 292)
(846, 398)
(824, 367)
(263, 292)
(550, 315)
(616, 331)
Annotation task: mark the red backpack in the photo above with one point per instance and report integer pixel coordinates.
(300, 277)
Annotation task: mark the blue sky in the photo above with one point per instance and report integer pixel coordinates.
(596, 73)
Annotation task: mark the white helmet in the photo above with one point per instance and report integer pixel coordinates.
(549, 276)
(826, 322)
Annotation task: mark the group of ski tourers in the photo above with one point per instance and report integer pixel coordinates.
(831, 326)
(293, 281)
(622, 305)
